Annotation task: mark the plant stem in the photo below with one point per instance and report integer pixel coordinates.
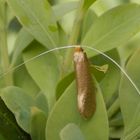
(3, 45)
(73, 40)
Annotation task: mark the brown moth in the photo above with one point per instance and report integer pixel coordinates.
(85, 86)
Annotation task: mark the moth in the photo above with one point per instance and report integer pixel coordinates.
(86, 90)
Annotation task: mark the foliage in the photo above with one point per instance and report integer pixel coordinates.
(38, 90)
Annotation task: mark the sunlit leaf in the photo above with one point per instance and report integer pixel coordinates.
(61, 9)
(88, 3)
(23, 40)
(28, 84)
(63, 84)
(65, 111)
(88, 21)
(38, 18)
(44, 70)
(114, 28)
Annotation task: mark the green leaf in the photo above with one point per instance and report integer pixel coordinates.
(114, 28)
(61, 9)
(8, 126)
(1, 137)
(9, 15)
(63, 84)
(20, 105)
(23, 40)
(63, 38)
(38, 18)
(41, 103)
(38, 124)
(114, 109)
(44, 70)
(127, 50)
(130, 99)
(112, 76)
(88, 3)
(2, 5)
(116, 125)
(67, 21)
(28, 84)
(88, 21)
(71, 132)
(65, 111)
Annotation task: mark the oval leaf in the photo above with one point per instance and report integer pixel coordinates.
(114, 28)
(88, 3)
(22, 41)
(38, 18)
(63, 84)
(88, 21)
(20, 105)
(44, 70)
(27, 84)
(65, 111)
(61, 9)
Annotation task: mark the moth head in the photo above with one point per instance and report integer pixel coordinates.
(79, 55)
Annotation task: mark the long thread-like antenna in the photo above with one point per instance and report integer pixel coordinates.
(33, 58)
(73, 46)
